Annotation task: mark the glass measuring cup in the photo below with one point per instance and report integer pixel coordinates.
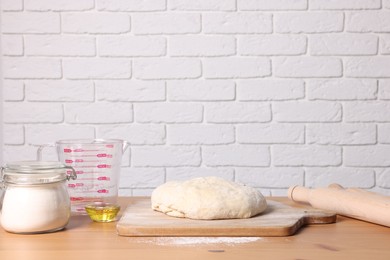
(97, 164)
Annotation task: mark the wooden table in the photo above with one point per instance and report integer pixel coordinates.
(84, 239)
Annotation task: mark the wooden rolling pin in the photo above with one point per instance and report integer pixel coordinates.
(351, 202)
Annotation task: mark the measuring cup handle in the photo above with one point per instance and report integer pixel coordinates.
(125, 145)
(40, 149)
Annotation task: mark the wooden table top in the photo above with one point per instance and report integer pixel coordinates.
(84, 239)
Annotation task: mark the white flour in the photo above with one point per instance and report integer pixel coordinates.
(29, 209)
(190, 241)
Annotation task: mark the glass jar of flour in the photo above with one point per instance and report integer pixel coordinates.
(34, 196)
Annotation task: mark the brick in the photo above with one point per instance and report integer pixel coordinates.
(307, 112)
(233, 23)
(13, 90)
(59, 45)
(276, 192)
(130, 90)
(58, 5)
(141, 177)
(96, 23)
(271, 5)
(242, 112)
(30, 22)
(345, 5)
(265, 89)
(368, 21)
(234, 67)
(309, 22)
(383, 179)
(140, 192)
(168, 113)
(384, 133)
(132, 46)
(166, 68)
(203, 5)
(306, 155)
(20, 112)
(12, 45)
(166, 23)
(185, 173)
(272, 45)
(308, 67)
(384, 44)
(367, 156)
(200, 134)
(43, 134)
(31, 68)
(379, 189)
(13, 153)
(200, 45)
(12, 5)
(347, 177)
(96, 68)
(341, 134)
(270, 133)
(343, 44)
(132, 5)
(58, 90)
(272, 177)
(341, 89)
(98, 113)
(135, 134)
(13, 134)
(367, 67)
(200, 90)
(165, 156)
(367, 112)
(384, 89)
(236, 155)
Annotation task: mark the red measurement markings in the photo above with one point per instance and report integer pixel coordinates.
(86, 179)
(103, 191)
(100, 155)
(69, 150)
(79, 150)
(77, 198)
(104, 166)
(75, 185)
(103, 178)
(74, 161)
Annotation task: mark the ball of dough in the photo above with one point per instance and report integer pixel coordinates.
(208, 198)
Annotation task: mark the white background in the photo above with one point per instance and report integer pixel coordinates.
(272, 93)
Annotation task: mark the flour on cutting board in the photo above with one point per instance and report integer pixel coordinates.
(188, 241)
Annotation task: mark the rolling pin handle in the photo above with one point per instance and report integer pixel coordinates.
(299, 194)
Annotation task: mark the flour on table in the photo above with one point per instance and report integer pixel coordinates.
(190, 241)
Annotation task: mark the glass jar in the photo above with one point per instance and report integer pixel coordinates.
(35, 197)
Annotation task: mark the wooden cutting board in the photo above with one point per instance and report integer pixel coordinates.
(140, 220)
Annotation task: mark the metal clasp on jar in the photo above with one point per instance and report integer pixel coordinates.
(72, 175)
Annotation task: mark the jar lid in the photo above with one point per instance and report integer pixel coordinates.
(36, 172)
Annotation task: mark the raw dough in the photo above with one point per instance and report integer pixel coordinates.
(208, 198)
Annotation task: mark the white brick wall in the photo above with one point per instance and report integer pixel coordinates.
(272, 93)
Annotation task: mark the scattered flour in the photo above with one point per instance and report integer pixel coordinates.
(189, 241)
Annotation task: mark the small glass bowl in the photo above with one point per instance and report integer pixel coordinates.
(102, 212)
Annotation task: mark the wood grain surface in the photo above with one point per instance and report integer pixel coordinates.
(84, 239)
(279, 219)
